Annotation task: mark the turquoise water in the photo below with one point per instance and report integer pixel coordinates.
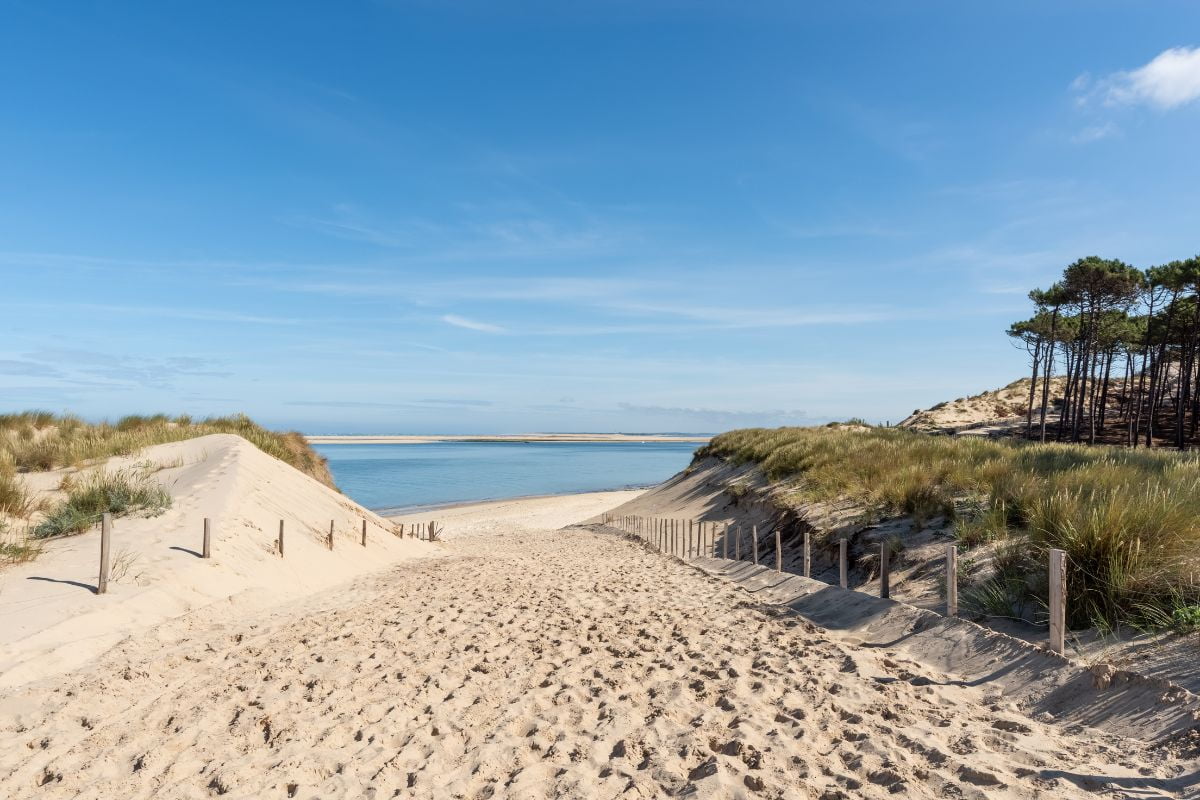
(398, 476)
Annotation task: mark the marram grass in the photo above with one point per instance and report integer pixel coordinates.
(1129, 520)
(39, 441)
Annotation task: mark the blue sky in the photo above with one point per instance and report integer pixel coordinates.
(480, 217)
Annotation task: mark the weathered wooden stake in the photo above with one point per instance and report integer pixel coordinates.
(364, 539)
(778, 552)
(206, 548)
(952, 580)
(807, 555)
(105, 540)
(1058, 601)
(737, 544)
(754, 542)
(330, 534)
(725, 541)
(842, 569)
(281, 538)
(885, 570)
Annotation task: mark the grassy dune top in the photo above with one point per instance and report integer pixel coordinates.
(38, 441)
(1129, 520)
(33, 441)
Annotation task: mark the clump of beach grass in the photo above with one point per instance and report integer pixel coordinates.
(118, 493)
(1129, 520)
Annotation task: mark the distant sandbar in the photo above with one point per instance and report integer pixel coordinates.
(511, 437)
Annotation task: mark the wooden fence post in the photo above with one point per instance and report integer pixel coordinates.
(105, 540)
(281, 538)
(842, 564)
(754, 542)
(725, 541)
(330, 534)
(1058, 601)
(778, 552)
(364, 538)
(206, 547)
(885, 570)
(952, 580)
(807, 555)
(737, 544)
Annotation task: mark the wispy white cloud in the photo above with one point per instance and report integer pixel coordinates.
(724, 418)
(1094, 133)
(1170, 80)
(470, 324)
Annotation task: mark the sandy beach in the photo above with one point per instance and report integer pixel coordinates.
(530, 661)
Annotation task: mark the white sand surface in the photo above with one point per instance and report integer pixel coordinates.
(52, 620)
(537, 663)
(505, 517)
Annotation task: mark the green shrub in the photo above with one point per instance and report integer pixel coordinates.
(1186, 618)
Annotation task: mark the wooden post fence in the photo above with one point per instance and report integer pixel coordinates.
(206, 545)
(842, 578)
(737, 544)
(281, 538)
(754, 542)
(952, 580)
(885, 570)
(778, 552)
(330, 534)
(807, 555)
(364, 537)
(105, 541)
(1058, 601)
(725, 541)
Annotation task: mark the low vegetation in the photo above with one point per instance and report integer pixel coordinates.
(1129, 520)
(38, 441)
(117, 493)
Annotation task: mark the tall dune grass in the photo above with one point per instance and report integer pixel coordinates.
(1129, 520)
(117, 493)
(39, 440)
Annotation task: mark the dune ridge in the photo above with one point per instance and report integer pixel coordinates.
(51, 620)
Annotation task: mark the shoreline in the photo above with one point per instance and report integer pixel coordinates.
(390, 512)
(547, 512)
(514, 438)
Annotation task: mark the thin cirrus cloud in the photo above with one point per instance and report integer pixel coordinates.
(471, 324)
(1170, 80)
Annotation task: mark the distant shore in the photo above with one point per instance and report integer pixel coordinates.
(622, 492)
(508, 438)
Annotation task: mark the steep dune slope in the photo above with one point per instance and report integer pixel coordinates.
(51, 619)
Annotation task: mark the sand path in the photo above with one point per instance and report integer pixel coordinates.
(535, 664)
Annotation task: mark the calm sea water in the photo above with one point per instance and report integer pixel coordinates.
(395, 476)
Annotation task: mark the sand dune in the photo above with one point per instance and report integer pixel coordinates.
(528, 660)
(541, 663)
(51, 620)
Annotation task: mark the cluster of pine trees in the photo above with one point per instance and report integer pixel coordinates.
(1121, 344)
